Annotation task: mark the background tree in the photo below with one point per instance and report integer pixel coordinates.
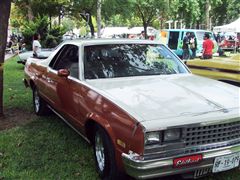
(233, 10)
(218, 17)
(187, 11)
(84, 9)
(34, 8)
(116, 12)
(147, 10)
(42, 12)
(99, 19)
(5, 6)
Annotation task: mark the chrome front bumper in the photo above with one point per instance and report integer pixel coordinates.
(144, 169)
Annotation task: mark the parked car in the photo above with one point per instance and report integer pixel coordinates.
(222, 69)
(22, 57)
(44, 54)
(229, 45)
(229, 41)
(140, 107)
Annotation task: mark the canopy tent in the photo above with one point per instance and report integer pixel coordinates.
(108, 32)
(232, 27)
(137, 30)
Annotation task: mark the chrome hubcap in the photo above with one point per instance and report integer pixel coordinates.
(99, 151)
(36, 101)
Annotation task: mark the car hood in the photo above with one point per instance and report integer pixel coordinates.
(150, 99)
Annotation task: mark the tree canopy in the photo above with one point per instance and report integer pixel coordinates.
(192, 13)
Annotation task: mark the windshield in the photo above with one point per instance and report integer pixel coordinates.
(124, 60)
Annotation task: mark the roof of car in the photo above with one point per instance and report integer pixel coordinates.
(80, 42)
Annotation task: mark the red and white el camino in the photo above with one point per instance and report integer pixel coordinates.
(140, 107)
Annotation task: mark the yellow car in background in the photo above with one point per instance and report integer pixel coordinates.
(219, 68)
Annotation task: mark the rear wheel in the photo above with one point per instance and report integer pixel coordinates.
(40, 106)
(104, 155)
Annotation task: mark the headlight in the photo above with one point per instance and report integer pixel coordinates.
(152, 138)
(171, 135)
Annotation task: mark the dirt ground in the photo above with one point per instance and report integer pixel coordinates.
(14, 117)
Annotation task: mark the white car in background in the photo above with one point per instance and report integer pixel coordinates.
(25, 55)
(45, 53)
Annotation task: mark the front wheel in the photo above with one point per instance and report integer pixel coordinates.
(104, 155)
(40, 106)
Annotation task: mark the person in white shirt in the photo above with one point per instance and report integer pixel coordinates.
(36, 46)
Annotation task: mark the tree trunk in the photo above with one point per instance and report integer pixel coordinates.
(30, 12)
(145, 29)
(91, 25)
(50, 20)
(5, 6)
(198, 25)
(208, 7)
(59, 20)
(99, 8)
(88, 18)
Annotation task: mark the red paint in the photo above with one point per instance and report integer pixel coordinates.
(187, 160)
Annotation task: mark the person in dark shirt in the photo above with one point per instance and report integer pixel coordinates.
(185, 46)
(193, 45)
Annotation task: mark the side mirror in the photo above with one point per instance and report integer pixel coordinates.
(63, 73)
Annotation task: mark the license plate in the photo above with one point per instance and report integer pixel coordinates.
(224, 163)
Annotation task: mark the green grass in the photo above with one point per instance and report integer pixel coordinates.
(15, 93)
(46, 148)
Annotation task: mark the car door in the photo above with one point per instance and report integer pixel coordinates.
(68, 88)
(48, 82)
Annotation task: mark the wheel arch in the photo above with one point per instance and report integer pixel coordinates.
(32, 84)
(91, 124)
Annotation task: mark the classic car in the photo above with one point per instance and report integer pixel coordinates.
(222, 69)
(229, 45)
(23, 56)
(140, 107)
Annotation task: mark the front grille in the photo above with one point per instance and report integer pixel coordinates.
(195, 136)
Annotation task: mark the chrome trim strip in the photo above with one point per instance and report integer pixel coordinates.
(71, 126)
(221, 122)
(179, 154)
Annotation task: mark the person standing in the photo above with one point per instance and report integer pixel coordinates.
(207, 47)
(185, 46)
(142, 35)
(193, 45)
(36, 46)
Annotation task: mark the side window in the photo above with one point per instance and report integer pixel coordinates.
(68, 59)
(173, 40)
(56, 57)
